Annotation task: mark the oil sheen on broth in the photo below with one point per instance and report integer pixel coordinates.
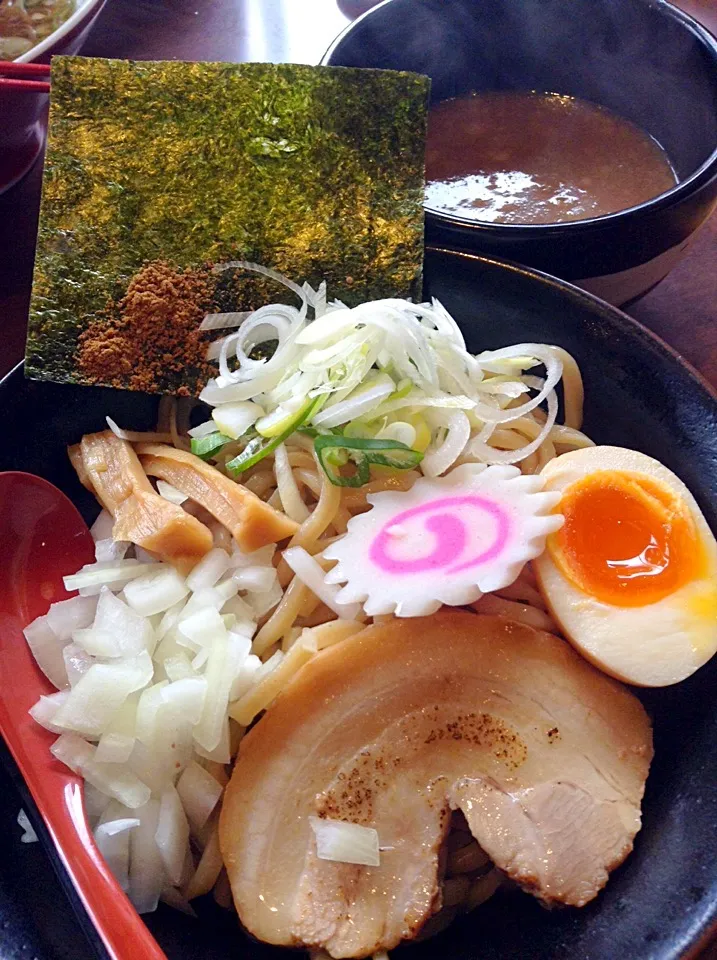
(514, 157)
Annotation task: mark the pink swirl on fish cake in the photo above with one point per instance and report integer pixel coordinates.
(451, 533)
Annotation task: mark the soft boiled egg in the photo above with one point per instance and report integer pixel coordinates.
(631, 576)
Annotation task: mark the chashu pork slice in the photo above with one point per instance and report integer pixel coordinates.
(400, 724)
(111, 469)
(252, 522)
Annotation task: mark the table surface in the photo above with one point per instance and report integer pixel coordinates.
(682, 309)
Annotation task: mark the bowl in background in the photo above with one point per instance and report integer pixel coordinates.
(645, 60)
(23, 113)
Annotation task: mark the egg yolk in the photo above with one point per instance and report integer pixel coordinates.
(627, 540)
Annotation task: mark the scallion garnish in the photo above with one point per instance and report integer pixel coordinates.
(335, 451)
(260, 447)
(207, 447)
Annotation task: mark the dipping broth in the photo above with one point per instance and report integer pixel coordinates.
(521, 158)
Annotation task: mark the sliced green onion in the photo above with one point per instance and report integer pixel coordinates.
(260, 447)
(286, 414)
(207, 447)
(331, 451)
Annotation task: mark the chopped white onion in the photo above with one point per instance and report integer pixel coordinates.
(114, 748)
(147, 713)
(258, 558)
(187, 697)
(144, 556)
(117, 630)
(172, 737)
(208, 869)
(111, 549)
(270, 665)
(221, 753)
(66, 616)
(145, 765)
(117, 742)
(92, 577)
(101, 529)
(43, 712)
(234, 419)
(262, 603)
(241, 610)
(219, 675)
(156, 591)
(95, 801)
(345, 842)
(100, 693)
(203, 429)
(203, 627)
(210, 569)
(255, 579)
(215, 597)
(239, 647)
(114, 780)
(172, 835)
(178, 667)
(112, 839)
(199, 793)
(312, 575)
(47, 648)
(245, 678)
(146, 867)
(77, 662)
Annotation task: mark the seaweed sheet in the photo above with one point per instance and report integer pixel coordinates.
(156, 172)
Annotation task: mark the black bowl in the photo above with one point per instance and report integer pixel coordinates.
(643, 59)
(639, 394)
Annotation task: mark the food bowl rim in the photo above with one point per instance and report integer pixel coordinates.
(700, 177)
(85, 8)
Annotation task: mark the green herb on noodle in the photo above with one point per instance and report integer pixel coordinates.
(336, 451)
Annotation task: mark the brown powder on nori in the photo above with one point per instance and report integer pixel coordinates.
(153, 341)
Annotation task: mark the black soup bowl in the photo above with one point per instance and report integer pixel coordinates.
(644, 60)
(663, 901)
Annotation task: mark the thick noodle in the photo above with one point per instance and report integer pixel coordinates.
(293, 480)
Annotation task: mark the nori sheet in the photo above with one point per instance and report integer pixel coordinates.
(315, 171)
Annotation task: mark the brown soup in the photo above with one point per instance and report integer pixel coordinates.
(518, 157)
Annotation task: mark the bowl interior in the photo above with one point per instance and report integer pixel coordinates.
(54, 42)
(637, 394)
(642, 59)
